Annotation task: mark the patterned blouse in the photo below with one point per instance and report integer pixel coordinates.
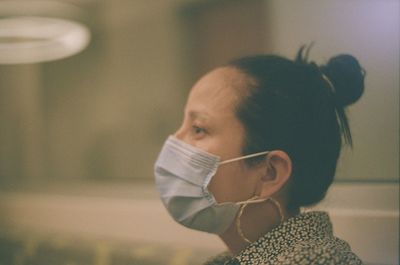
(304, 239)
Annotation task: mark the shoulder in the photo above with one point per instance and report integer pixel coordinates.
(332, 251)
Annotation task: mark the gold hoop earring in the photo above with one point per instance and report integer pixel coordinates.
(238, 226)
(238, 223)
(279, 207)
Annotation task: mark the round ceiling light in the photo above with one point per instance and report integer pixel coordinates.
(35, 39)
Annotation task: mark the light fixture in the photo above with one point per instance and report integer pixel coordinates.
(39, 31)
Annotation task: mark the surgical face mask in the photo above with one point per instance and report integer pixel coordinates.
(182, 174)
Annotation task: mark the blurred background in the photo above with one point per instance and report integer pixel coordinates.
(79, 132)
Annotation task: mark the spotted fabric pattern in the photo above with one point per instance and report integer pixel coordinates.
(304, 239)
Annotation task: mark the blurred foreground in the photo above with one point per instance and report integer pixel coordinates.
(127, 224)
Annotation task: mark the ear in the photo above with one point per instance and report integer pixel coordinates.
(277, 173)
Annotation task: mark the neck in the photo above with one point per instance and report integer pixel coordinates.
(257, 220)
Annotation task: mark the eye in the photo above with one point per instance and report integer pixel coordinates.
(197, 130)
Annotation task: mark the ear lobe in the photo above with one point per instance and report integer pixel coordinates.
(277, 173)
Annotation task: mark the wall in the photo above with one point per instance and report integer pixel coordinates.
(101, 114)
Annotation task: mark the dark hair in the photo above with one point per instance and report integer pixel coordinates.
(298, 107)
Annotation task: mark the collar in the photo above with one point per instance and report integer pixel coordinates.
(303, 227)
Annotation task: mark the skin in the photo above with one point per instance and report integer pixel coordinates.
(210, 123)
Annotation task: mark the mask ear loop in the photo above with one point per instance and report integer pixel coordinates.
(243, 157)
(244, 204)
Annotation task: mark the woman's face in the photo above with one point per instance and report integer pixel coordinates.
(210, 124)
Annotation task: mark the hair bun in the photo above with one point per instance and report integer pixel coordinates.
(347, 77)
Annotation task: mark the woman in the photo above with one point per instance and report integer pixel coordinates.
(260, 139)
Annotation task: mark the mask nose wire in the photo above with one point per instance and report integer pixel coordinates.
(243, 157)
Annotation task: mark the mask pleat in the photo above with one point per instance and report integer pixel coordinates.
(195, 155)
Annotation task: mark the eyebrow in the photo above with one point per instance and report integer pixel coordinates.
(198, 115)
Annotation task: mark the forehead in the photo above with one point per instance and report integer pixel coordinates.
(218, 92)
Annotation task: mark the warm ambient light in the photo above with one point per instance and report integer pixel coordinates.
(33, 39)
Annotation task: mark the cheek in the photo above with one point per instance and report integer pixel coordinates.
(223, 145)
(232, 183)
